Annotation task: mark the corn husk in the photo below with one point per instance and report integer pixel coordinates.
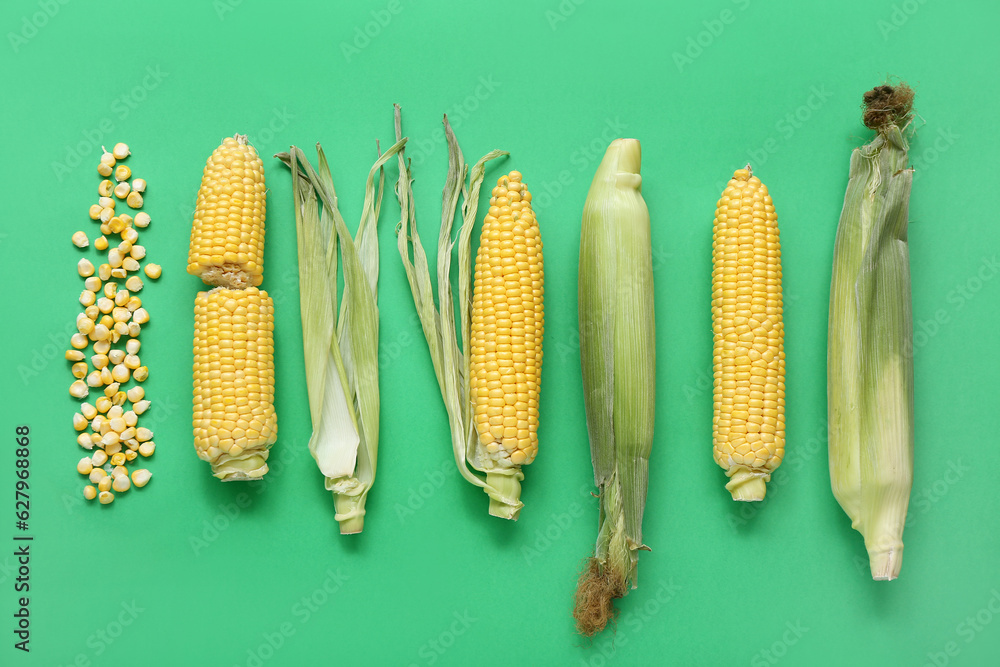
(618, 355)
(870, 364)
(341, 351)
(450, 350)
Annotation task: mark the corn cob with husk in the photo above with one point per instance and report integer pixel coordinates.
(341, 353)
(489, 379)
(749, 366)
(617, 350)
(233, 416)
(869, 362)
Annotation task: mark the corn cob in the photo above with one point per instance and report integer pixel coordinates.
(869, 355)
(618, 355)
(233, 417)
(508, 321)
(749, 365)
(234, 421)
(227, 237)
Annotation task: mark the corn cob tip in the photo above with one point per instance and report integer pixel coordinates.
(241, 139)
(887, 105)
(250, 469)
(746, 485)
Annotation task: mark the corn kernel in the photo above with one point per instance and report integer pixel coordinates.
(122, 483)
(79, 421)
(105, 188)
(119, 272)
(153, 271)
(120, 151)
(139, 185)
(105, 483)
(99, 458)
(80, 369)
(140, 316)
(135, 394)
(97, 473)
(85, 466)
(141, 477)
(85, 268)
(78, 340)
(102, 347)
(134, 200)
(146, 449)
(104, 271)
(95, 211)
(103, 404)
(140, 407)
(101, 243)
(138, 252)
(74, 355)
(129, 264)
(80, 240)
(89, 492)
(122, 191)
(134, 284)
(122, 173)
(142, 219)
(87, 298)
(106, 497)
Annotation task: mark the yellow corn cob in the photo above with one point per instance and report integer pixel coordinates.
(234, 420)
(749, 366)
(227, 237)
(506, 328)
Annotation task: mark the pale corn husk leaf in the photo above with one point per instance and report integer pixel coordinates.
(870, 365)
(346, 447)
(617, 349)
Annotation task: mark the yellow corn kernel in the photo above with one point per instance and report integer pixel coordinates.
(122, 173)
(120, 151)
(105, 188)
(134, 199)
(234, 420)
(80, 240)
(507, 325)
(153, 271)
(749, 358)
(227, 235)
(95, 211)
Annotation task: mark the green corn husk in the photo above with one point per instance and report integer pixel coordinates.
(870, 363)
(449, 357)
(618, 354)
(341, 353)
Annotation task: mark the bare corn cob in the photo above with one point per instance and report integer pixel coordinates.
(508, 320)
(749, 368)
(227, 237)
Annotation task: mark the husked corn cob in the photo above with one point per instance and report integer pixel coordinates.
(506, 328)
(234, 420)
(749, 366)
(227, 237)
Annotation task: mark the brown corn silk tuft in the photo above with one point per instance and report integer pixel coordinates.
(595, 595)
(887, 105)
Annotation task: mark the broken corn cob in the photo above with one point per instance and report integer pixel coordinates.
(234, 420)
(749, 365)
(227, 237)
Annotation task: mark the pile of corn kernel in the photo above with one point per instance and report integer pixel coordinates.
(112, 320)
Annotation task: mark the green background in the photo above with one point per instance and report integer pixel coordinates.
(192, 571)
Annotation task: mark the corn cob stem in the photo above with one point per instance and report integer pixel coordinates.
(870, 365)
